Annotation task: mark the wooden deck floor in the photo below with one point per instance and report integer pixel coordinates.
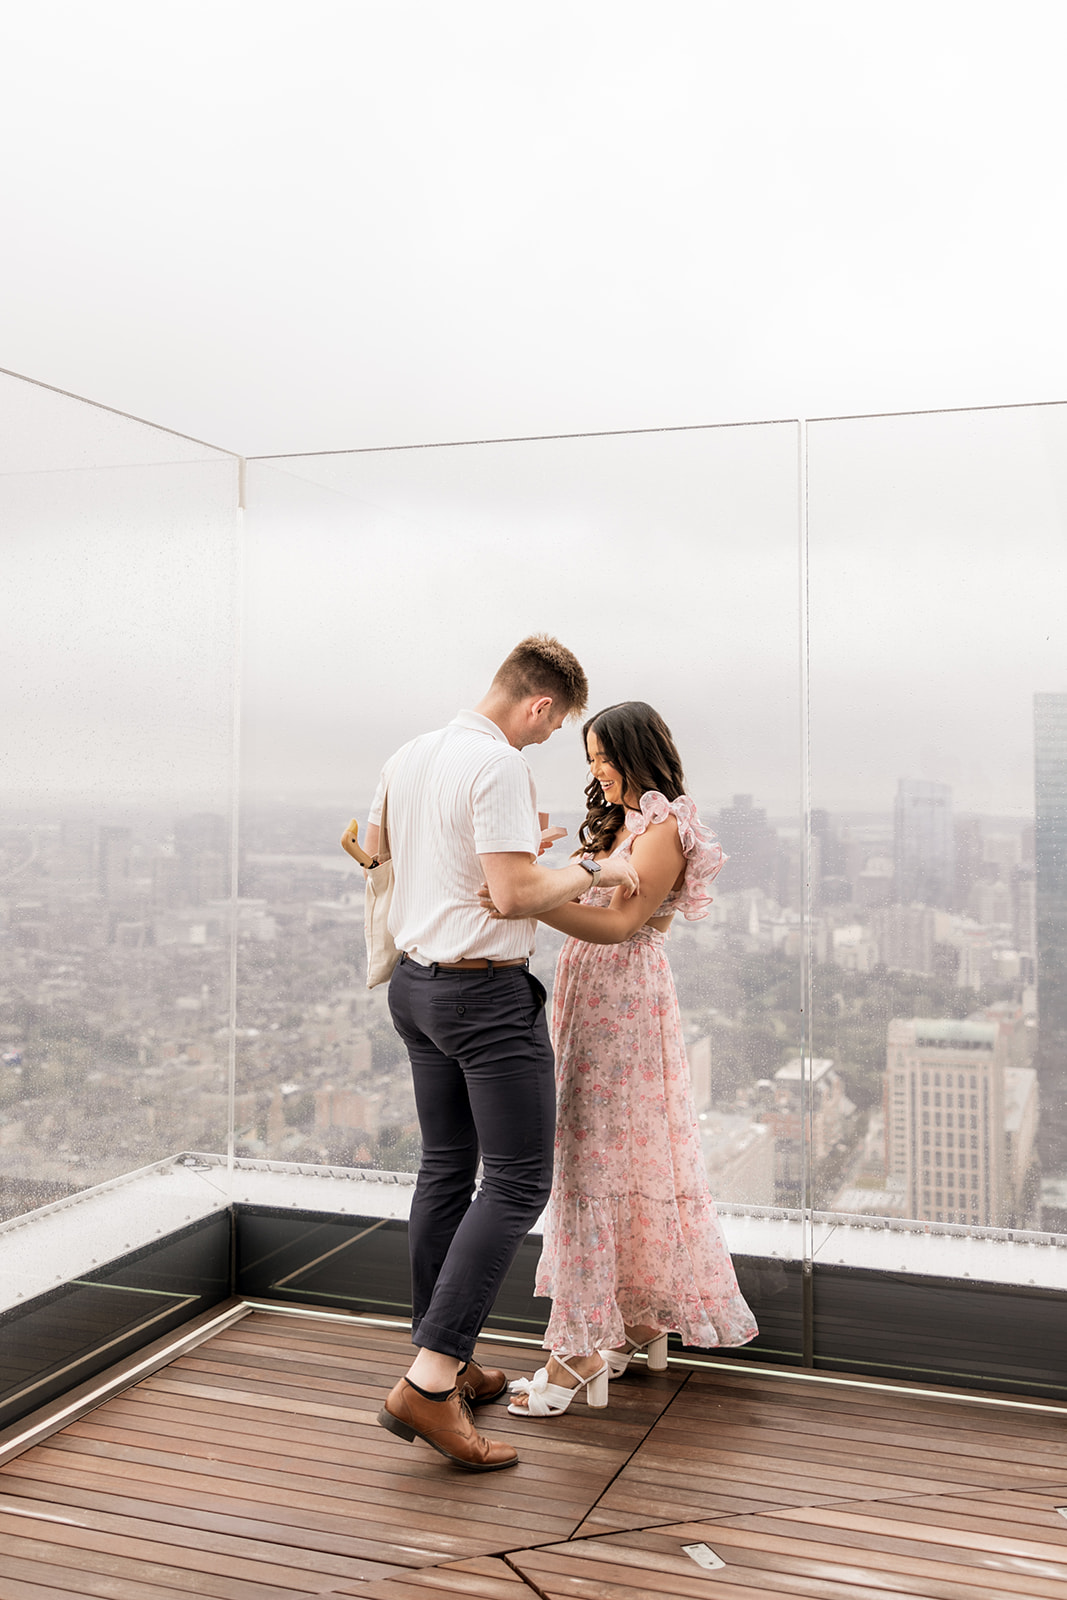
(254, 1469)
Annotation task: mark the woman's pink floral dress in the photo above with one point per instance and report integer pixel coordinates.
(631, 1233)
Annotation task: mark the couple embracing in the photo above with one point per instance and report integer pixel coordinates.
(632, 1245)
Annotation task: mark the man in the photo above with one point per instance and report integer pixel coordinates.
(461, 808)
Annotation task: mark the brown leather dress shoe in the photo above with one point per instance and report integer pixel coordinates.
(446, 1425)
(480, 1386)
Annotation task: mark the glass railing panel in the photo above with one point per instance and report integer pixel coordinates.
(117, 700)
(938, 562)
(384, 587)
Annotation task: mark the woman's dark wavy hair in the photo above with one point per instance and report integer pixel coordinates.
(639, 745)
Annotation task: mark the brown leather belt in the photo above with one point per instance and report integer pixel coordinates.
(473, 963)
(478, 964)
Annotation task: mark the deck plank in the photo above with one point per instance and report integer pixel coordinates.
(759, 1562)
(253, 1468)
(201, 1549)
(729, 1445)
(111, 1571)
(488, 1578)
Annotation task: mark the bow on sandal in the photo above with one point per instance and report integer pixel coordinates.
(546, 1399)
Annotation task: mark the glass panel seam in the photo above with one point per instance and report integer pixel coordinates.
(806, 928)
(236, 684)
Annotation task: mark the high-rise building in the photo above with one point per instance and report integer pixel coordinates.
(75, 856)
(1024, 908)
(968, 842)
(751, 844)
(113, 848)
(924, 845)
(906, 936)
(829, 873)
(830, 1111)
(1050, 864)
(960, 1120)
(202, 849)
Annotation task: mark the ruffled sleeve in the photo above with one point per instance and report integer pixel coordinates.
(704, 856)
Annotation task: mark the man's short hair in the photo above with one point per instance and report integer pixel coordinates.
(541, 665)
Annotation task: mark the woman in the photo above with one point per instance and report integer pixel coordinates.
(632, 1244)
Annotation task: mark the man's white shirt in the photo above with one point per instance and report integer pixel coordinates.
(455, 794)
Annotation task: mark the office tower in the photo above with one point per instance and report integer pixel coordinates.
(76, 854)
(751, 844)
(968, 845)
(906, 937)
(1024, 908)
(202, 849)
(924, 845)
(113, 848)
(830, 1111)
(873, 883)
(960, 1120)
(1050, 864)
(828, 855)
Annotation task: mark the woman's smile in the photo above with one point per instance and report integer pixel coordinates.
(608, 776)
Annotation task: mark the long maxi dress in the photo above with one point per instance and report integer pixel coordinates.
(631, 1231)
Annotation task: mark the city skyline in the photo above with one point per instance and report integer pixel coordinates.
(108, 899)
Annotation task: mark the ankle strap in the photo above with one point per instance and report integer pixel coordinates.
(561, 1361)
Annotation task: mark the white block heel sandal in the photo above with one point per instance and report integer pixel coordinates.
(655, 1348)
(546, 1399)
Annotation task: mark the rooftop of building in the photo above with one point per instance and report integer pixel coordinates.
(792, 1071)
(945, 1032)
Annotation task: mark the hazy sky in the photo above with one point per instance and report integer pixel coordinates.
(353, 225)
(668, 562)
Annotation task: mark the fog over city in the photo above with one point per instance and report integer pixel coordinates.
(669, 561)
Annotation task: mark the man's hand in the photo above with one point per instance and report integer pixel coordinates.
(617, 873)
(572, 881)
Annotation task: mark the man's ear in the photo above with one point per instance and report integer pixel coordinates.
(541, 706)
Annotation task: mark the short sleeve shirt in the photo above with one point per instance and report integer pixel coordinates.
(455, 794)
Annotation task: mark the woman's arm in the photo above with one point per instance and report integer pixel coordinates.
(658, 859)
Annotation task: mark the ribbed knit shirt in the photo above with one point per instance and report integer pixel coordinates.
(454, 795)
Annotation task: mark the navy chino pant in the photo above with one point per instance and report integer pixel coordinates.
(484, 1078)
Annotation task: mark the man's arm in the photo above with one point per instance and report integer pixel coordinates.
(659, 860)
(521, 888)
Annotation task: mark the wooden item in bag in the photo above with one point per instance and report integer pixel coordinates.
(382, 953)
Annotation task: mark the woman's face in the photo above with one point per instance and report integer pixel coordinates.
(608, 777)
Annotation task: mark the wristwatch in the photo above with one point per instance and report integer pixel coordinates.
(593, 869)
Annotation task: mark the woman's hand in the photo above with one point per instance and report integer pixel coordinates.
(485, 900)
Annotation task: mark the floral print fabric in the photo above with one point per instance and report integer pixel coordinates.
(631, 1232)
(704, 858)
